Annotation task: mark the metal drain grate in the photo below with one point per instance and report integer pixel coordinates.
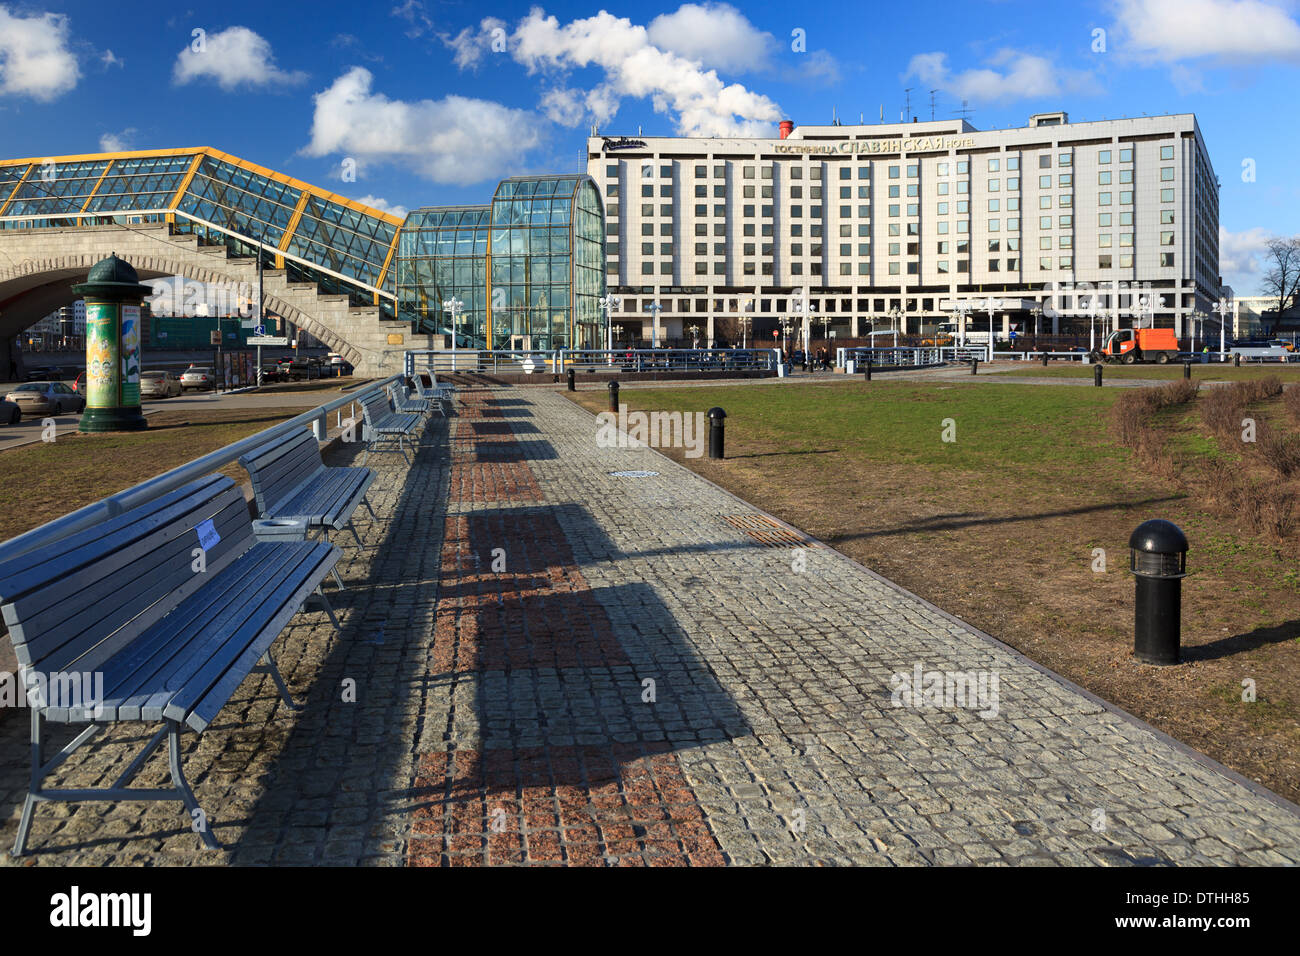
(766, 531)
(634, 474)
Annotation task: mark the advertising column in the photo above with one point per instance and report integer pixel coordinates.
(113, 295)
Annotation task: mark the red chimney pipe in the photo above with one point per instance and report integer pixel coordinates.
(787, 127)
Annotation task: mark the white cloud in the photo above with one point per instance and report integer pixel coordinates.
(383, 205)
(564, 106)
(714, 34)
(1241, 258)
(631, 66)
(109, 58)
(1230, 30)
(452, 140)
(234, 57)
(471, 44)
(34, 57)
(116, 142)
(418, 22)
(1010, 75)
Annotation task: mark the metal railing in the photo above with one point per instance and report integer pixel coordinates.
(558, 361)
(114, 505)
(904, 357)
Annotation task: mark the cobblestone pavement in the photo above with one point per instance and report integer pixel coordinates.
(543, 662)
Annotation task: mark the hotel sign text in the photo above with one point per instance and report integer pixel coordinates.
(917, 144)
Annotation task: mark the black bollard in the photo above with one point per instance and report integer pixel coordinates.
(867, 369)
(1187, 370)
(572, 385)
(716, 427)
(1236, 359)
(1096, 375)
(1044, 360)
(974, 366)
(613, 397)
(1158, 559)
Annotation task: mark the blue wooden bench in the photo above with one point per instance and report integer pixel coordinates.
(163, 610)
(383, 425)
(290, 481)
(403, 403)
(435, 391)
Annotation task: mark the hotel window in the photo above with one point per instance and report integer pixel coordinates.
(1067, 242)
(1103, 156)
(1167, 238)
(846, 212)
(815, 249)
(963, 186)
(993, 165)
(647, 228)
(1045, 161)
(894, 248)
(846, 268)
(1166, 195)
(749, 249)
(963, 205)
(665, 228)
(1013, 225)
(611, 170)
(1126, 219)
(796, 172)
(1013, 183)
(864, 192)
(815, 212)
(864, 268)
(701, 229)
(796, 268)
(767, 248)
(1103, 240)
(719, 248)
(1126, 197)
(913, 268)
(814, 192)
(748, 269)
(1126, 239)
(1103, 219)
(1013, 163)
(963, 247)
(893, 192)
(1166, 174)
(1166, 152)
(942, 265)
(719, 171)
(1166, 259)
(864, 171)
(1065, 202)
(700, 210)
(864, 211)
(963, 225)
(765, 192)
(913, 209)
(1044, 182)
(1066, 221)
(942, 228)
(766, 267)
(846, 248)
(701, 192)
(701, 268)
(995, 245)
(963, 166)
(666, 209)
(1126, 175)
(913, 170)
(963, 265)
(666, 191)
(766, 172)
(767, 211)
(942, 247)
(864, 248)
(893, 172)
(913, 248)
(942, 169)
(719, 229)
(846, 172)
(846, 229)
(1126, 155)
(1044, 222)
(666, 171)
(1013, 265)
(1045, 263)
(912, 189)
(815, 173)
(1126, 261)
(1103, 177)
(1067, 262)
(943, 209)
(1065, 159)
(1166, 217)
(796, 229)
(893, 209)
(995, 205)
(1013, 204)
(846, 192)
(747, 210)
(994, 265)
(943, 189)
(748, 192)
(895, 229)
(995, 225)
(647, 248)
(796, 192)
(701, 171)
(1044, 202)
(647, 268)
(1103, 199)
(995, 185)
(894, 268)
(913, 229)
(796, 248)
(1066, 179)
(719, 209)
(1103, 262)
(748, 172)
(1044, 242)
(749, 228)
(1013, 245)
(647, 190)
(719, 192)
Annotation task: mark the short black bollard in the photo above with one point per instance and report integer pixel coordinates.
(1044, 360)
(1096, 375)
(572, 385)
(1236, 360)
(867, 370)
(1158, 559)
(613, 397)
(716, 428)
(974, 366)
(1187, 370)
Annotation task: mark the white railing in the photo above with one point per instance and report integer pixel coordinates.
(559, 361)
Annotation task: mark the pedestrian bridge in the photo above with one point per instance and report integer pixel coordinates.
(208, 216)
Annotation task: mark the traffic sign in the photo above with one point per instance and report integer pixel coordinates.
(259, 330)
(268, 340)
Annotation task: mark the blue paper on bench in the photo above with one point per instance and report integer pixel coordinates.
(208, 537)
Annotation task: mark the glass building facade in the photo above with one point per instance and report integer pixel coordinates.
(529, 267)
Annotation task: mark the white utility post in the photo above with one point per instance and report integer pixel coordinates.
(895, 317)
(1222, 308)
(654, 309)
(991, 305)
(455, 306)
(609, 303)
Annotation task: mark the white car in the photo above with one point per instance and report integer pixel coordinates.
(159, 385)
(200, 378)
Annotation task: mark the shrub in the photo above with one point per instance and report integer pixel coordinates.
(1291, 401)
(1280, 451)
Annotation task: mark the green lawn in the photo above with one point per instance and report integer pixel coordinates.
(1213, 372)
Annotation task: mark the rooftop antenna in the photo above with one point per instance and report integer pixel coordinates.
(932, 92)
(965, 111)
(862, 119)
(882, 112)
(907, 109)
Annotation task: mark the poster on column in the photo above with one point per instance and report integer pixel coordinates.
(102, 369)
(130, 355)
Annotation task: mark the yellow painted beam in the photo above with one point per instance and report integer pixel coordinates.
(185, 183)
(388, 261)
(16, 188)
(99, 182)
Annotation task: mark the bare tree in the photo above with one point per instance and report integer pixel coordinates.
(1282, 278)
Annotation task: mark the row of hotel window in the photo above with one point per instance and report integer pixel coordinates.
(766, 267)
(913, 169)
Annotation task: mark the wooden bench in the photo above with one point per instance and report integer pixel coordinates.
(402, 402)
(435, 394)
(291, 481)
(164, 610)
(385, 425)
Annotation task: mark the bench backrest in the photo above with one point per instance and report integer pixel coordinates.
(374, 407)
(279, 467)
(74, 603)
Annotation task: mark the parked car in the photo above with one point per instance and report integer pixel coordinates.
(10, 414)
(197, 378)
(299, 369)
(46, 398)
(338, 365)
(43, 373)
(271, 372)
(159, 384)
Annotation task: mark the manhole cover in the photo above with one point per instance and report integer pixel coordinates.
(634, 474)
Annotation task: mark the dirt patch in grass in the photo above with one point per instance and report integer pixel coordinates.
(45, 480)
(1002, 527)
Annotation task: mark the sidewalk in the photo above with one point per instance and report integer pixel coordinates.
(554, 664)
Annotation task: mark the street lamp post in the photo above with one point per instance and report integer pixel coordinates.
(654, 308)
(1197, 317)
(1223, 309)
(695, 337)
(960, 311)
(991, 305)
(895, 317)
(1037, 313)
(609, 303)
(455, 306)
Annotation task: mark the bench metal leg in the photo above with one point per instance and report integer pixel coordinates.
(267, 666)
(365, 500)
(353, 528)
(338, 580)
(324, 602)
(193, 810)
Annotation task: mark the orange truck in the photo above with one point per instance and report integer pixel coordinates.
(1139, 345)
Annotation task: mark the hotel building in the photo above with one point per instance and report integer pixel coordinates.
(905, 224)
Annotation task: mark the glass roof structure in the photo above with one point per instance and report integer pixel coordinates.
(315, 235)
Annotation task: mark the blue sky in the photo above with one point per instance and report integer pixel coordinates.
(431, 103)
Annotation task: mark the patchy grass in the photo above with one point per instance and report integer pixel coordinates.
(1213, 372)
(1000, 526)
